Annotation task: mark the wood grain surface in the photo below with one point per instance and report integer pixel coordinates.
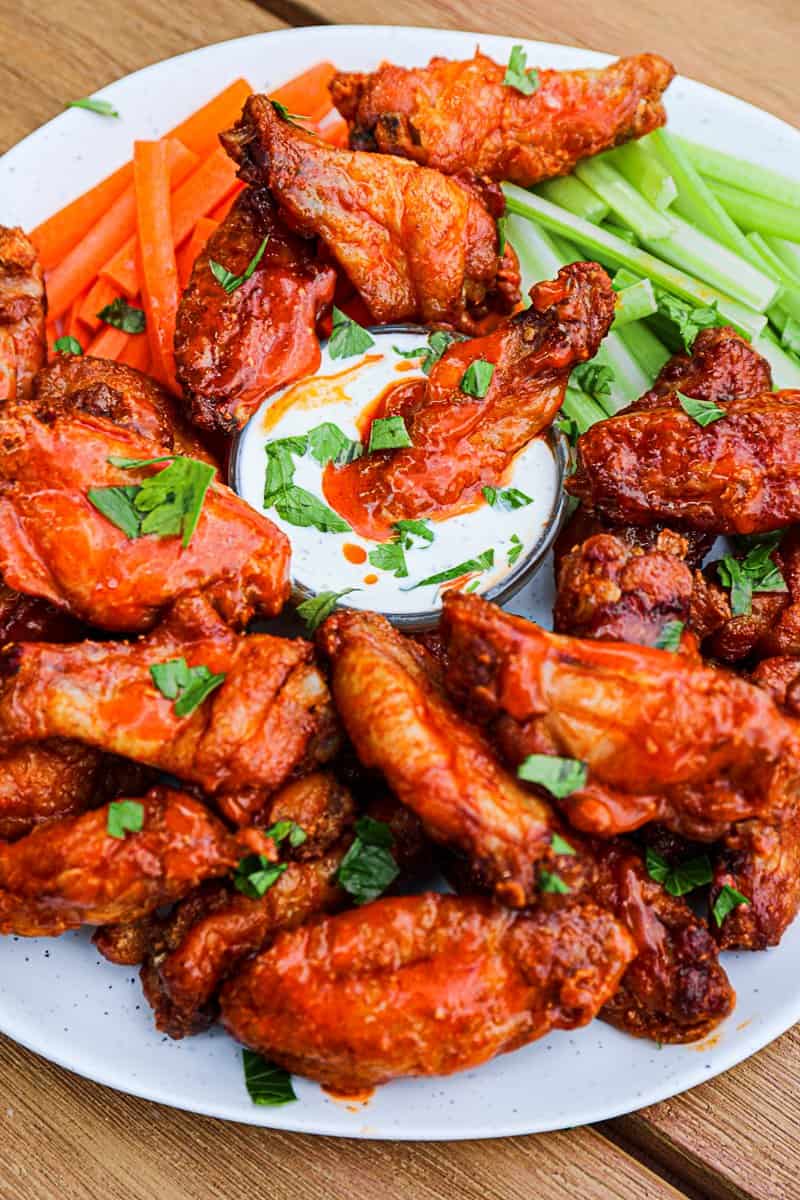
(734, 1138)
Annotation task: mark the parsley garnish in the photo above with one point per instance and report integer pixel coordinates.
(514, 550)
(369, 867)
(281, 830)
(317, 608)
(756, 572)
(679, 878)
(294, 504)
(560, 776)
(561, 845)
(266, 1083)
(704, 412)
(477, 378)
(549, 881)
(124, 816)
(230, 282)
(255, 875)
(407, 530)
(508, 498)
(166, 503)
(390, 557)
(327, 443)
(470, 565)
(727, 900)
(103, 108)
(285, 115)
(688, 319)
(187, 686)
(518, 75)
(438, 342)
(388, 433)
(280, 465)
(593, 378)
(123, 316)
(347, 337)
(670, 636)
(67, 345)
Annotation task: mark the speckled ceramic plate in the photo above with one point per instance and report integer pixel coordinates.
(60, 999)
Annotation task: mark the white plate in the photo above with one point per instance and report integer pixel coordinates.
(60, 999)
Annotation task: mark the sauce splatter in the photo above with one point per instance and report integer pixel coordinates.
(354, 553)
(370, 579)
(316, 392)
(353, 1100)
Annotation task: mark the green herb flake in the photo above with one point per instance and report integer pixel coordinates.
(468, 567)
(560, 845)
(756, 572)
(502, 225)
(390, 557)
(514, 550)
(298, 507)
(327, 443)
(727, 900)
(266, 1084)
(593, 378)
(117, 506)
(172, 499)
(124, 816)
(67, 345)
(388, 433)
(255, 875)
(508, 498)
(285, 115)
(438, 342)
(407, 530)
(689, 320)
(318, 608)
(477, 378)
(230, 282)
(123, 316)
(281, 830)
(103, 108)
(280, 465)
(549, 881)
(368, 868)
(670, 636)
(679, 878)
(525, 79)
(347, 337)
(187, 686)
(559, 776)
(704, 412)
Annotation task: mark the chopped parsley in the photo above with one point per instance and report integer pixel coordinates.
(525, 79)
(514, 550)
(124, 816)
(266, 1083)
(593, 378)
(318, 608)
(508, 498)
(559, 776)
(255, 875)
(165, 504)
(327, 443)
(704, 412)
(104, 108)
(291, 502)
(438, 342)
(477, 378)
(407, 530)
(688, 319)
(230, 282)
(679, 878)
(468, 567)
(549, 881)
(756, 572)
(123, 316)
(670, 636)
(727, 900)
(287, 829)
(388, 433)
(561, 845)
(390, 556)
(67, 345)
(368, 868)
(187, 686)
(284, 113)
(347, 337)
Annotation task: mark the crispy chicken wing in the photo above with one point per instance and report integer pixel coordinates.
(722, 367)
(233, 348)
(271, 714)
(75, 873)
(415, 244)
(458, 116)
(386, 690)
(664, 739)
(691, 545)
(461, 443)
(422, 985)
(22, 314)
(761, 861)
(56, 544)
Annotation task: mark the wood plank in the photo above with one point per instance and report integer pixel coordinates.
(742, 46)
(53, 53)
(64, 1136)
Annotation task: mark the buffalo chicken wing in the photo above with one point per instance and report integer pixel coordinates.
(22, 314)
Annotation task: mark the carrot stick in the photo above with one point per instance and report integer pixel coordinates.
(307, 94)
(80, 267)
(335, 133)
(200, 132)
(219, 213)
(158, 270)
(99, 295)
(110, 342)
(136, 353)
(73, 326)
(56, 236)
(188, 254)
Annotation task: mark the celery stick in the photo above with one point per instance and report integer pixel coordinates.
(645, 172)
(778, 317)
(726, 168)
(759, 213)
(787, 251)
(623, 199)
(649, 352)
(575, 197)
(583, 410)
(620, 231)
(613, 250)
(538, 258)
(634, 302)
(785, 368)
(772, 261)
(630, 381)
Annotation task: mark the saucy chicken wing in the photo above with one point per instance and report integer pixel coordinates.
(23, 307)
(721, 367)
(663, 739)
(55, 543)
(268, 714)
(387, 693)
(233, 348)
(461, 116)
(760, 861)
(460, 442)
(74, 872)
(415, 244)
(422, 985)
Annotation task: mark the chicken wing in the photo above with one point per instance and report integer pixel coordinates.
(460, 442)
(75, 873)
(415, 244)
(23, 306)
(722, 367)
(55, 543)
(422, 985)
(234, 348)
(761, 861)
(386, 691)
(458, 116)
(663, 739)
(270, 714)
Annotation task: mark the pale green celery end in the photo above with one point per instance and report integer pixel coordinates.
(785, 370)
(634, 303)
(623, 199)
(630, 381)
(758, 213)
(646, 348)
(570, 193)
(583, 410)
(782, 269)
(750, 177)
(646, 173)
(787, 251)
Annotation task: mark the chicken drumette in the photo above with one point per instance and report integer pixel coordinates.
(461, 116)
(22, 314)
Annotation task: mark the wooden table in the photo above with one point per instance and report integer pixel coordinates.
(734, 1137)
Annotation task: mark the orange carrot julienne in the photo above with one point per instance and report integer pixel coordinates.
(56, 236)
(200, 131)
(80, 267)
(73, 326)
(110, 342)
(100, 294)
(188, 254)
(335, 133)
(136, 352)
(157, 268)
(307, 94)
